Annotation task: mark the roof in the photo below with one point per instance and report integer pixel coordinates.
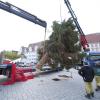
(92, 38)
(33, 45)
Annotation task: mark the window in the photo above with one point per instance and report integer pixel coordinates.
(30, 49)
(95, 57)
(91, 45)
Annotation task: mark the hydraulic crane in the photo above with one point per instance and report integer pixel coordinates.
(83, 40)
(21, 13)
(92, 58)
(8, 68)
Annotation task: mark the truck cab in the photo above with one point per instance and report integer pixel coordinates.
(93, 59)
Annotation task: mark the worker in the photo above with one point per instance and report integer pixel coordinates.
(97, 77)
(87, 73)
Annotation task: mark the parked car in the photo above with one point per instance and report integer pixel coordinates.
(46, 68)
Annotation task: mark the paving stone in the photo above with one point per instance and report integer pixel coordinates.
(44, 88)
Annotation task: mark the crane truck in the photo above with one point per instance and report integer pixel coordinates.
(92, 58)
(8, 68)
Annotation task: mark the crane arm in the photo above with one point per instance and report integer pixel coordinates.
(19, 12)
(83, 40)
(24, 14)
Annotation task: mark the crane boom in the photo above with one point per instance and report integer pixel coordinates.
(22, 13)
(83, 40)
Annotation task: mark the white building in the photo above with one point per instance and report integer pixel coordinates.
(29, 54)
(94, 41)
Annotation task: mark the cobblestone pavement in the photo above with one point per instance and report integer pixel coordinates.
(44, 88)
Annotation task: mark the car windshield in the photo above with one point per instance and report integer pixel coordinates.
(95, 57)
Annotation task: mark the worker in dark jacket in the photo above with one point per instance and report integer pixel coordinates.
(88, 74)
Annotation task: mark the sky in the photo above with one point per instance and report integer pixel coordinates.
(16, 31)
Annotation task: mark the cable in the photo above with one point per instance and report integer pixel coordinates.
(60, 10)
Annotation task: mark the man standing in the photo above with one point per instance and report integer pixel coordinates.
(88, 74)
(97, 77)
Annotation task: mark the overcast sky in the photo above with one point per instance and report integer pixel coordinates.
(16, 32)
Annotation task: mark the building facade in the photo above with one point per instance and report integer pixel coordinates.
(94, 41)
(29, 54)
